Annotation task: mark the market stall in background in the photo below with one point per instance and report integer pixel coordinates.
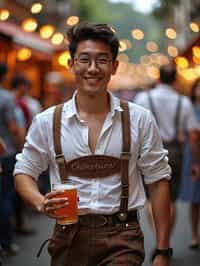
(35, 49)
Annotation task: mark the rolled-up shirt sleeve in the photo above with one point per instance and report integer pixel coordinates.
(153, 160)
(33, 159)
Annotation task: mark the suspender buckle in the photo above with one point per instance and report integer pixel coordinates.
(125, 155)
(60, 158)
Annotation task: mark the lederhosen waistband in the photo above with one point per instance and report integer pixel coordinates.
(99, 220)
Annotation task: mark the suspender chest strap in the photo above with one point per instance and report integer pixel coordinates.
(60, 159)
(93, 166)
(125, 158)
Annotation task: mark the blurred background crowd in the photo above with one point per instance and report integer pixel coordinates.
(34, 74)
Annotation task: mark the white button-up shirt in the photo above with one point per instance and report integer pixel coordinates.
(165, 101)
(99, 195)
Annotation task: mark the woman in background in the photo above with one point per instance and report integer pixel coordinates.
(190, 186)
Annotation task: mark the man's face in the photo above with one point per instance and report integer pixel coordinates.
(92, 66)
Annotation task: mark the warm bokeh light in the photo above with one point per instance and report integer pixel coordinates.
(4, 14)
(152, 46)
(172, 50)
(73, 20)
(196, 60)
(63, 59)
(57, 38)
(123, 58)
(123, 67)
(123, 46)
(29, 24)
(194, 27)
(153, 72)
(170, 33)
(197, 70)
(145, 60)
(46, 31)
(128, 43)
(181, 62)
(196, 51)
(162, 59)
(189, 74)
(36, 8)
(24, 54)
(137, 34)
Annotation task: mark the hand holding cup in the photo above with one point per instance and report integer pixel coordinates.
(54, 201)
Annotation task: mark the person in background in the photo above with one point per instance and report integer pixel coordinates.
(2, 151)
(13, 138)
(190, 185)
(20, 85)
(108, 231)
(165, 103)
(32, 103)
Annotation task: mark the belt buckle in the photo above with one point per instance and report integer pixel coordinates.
(94, 220)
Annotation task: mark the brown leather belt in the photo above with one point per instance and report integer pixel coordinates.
(99, 220)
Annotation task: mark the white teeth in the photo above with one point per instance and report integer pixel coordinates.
(92, 78)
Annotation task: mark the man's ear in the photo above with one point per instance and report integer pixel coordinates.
(115, 67)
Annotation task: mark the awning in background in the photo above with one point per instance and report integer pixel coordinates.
(31, 40)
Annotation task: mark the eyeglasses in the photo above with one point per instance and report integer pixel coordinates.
(86, 61)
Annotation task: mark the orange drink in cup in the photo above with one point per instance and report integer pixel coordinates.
(71, 209)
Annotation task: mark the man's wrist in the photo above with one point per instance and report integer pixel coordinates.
(165, 252)
(40, 206)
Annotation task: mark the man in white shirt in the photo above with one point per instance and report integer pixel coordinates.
(108, 232)
(175, 118)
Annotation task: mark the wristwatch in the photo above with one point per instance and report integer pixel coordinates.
(168, 252)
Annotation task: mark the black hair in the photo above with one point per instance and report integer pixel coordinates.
(19, 80)
(90, 31)
(193, 90)
(167, 74)
(3, 70)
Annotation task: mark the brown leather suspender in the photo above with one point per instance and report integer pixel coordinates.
(60, 159)
(124, 158)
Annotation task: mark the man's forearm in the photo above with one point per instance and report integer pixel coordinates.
(28, 190)
(160, 200)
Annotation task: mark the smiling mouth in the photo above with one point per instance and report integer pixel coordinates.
(92, 79)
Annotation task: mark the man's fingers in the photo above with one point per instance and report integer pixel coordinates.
(53, 193)
(56, 206)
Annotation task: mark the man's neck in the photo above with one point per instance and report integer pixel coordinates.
(92, 104)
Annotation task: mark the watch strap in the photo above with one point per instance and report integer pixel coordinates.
(168, 252)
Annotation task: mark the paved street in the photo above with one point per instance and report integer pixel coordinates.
(30, 245)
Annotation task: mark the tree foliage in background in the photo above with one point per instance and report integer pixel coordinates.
(164, 9)
(124, 19)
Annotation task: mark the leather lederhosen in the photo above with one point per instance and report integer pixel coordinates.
(87, 236)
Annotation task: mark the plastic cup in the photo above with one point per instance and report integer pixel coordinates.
(71, 209)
